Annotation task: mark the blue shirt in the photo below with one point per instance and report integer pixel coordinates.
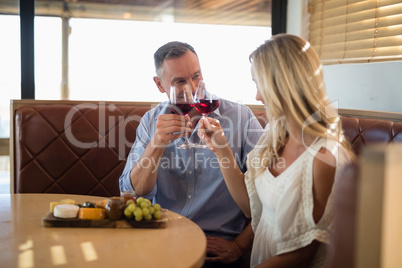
(189, 181)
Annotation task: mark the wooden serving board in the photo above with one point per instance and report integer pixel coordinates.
(51, 221)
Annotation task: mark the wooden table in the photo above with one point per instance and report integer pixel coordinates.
(24, 242)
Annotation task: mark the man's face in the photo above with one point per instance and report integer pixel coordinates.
(185, 69)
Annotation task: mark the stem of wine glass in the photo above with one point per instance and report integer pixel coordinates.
(186, 144)
(202, 144)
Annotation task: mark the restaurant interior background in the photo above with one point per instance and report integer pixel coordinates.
(103, 50)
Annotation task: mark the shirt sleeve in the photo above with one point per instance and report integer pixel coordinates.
(142, 139)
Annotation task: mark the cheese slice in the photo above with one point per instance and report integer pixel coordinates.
(52, 205)
(63, 201)
(92, 213)
(67, 201)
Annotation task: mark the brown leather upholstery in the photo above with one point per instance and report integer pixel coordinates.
(362, 131)
(66, 148)
(48, 156)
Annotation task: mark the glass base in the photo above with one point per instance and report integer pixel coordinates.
(192, 145)
(200, 145)
(185, 145)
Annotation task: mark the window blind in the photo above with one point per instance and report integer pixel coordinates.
(346, 31)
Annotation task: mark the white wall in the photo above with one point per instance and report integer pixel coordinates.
(366, 86)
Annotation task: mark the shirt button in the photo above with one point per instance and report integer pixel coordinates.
(190, 172)
(189, 196)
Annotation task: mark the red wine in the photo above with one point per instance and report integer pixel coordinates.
(181, 108)
(206, 106)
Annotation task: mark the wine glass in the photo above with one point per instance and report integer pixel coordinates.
(205, 103)
(181, 103)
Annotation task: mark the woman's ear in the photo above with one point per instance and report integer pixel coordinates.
(158, 83)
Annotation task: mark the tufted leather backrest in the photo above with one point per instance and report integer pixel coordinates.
(361, 127)
(362, 131)
(80, 147)
(72, 147)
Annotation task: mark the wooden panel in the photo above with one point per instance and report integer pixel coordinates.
(371, 114)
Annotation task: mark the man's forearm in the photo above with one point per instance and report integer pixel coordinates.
(143, 174)
(244, 240)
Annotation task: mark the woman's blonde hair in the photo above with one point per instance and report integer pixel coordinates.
(289, 77)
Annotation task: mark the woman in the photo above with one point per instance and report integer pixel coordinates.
(287, 188)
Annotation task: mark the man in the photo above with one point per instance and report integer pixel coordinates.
(189, 181)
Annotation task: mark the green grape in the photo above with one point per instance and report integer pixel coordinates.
(145, 204)
(157, 215)
(151, 210)
(131, 207)
(140, 200)
(138, 212)
(145, 211)
(157, 207)
(138, 218)
(130, 201)
(128, 213)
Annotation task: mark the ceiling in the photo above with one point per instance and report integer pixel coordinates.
(229, 12)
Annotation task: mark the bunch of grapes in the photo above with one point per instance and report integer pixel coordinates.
(142, 210)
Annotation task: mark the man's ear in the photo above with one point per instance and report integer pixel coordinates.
(158, 83)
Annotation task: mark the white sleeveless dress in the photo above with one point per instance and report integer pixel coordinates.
(282, 207)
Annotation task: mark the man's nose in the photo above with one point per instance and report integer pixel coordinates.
(193, 86)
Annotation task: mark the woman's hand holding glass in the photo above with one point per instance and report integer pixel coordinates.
(210, 131)
(205, 103)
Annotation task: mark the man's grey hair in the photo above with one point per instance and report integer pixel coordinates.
(171, 50)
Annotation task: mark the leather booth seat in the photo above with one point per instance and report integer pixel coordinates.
(361, 127)
(78, 147)
(72, 147)
(362, 131)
